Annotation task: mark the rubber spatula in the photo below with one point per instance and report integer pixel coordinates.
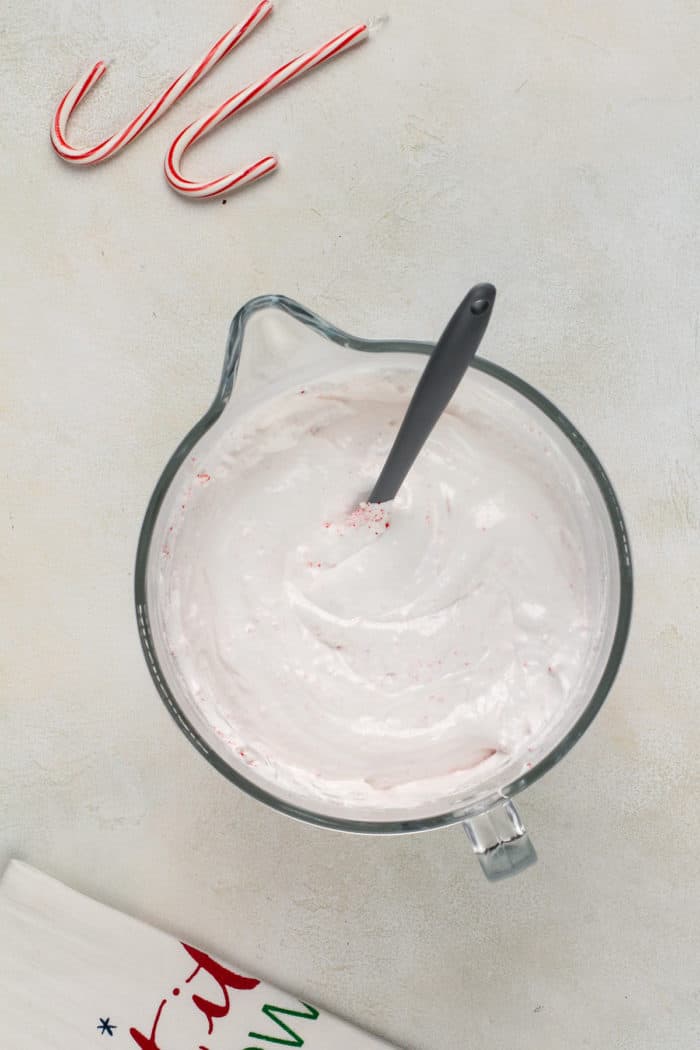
(442, 375)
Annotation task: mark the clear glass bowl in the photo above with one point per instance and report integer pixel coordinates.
(273, 343)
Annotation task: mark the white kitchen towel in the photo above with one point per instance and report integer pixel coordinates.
(77, 975)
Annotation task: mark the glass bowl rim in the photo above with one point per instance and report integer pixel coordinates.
(307, 317)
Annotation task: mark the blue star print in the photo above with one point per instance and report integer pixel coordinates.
(105, 1028)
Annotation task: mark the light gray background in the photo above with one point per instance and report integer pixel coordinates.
(551, 147)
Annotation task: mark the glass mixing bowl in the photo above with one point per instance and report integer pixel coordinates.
(275, 343)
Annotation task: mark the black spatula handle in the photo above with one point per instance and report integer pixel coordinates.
(442, 375)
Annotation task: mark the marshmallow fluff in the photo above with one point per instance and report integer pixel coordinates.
(382, 655)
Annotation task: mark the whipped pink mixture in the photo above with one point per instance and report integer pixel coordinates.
(371, 655)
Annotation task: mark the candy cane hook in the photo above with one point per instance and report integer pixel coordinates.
(189, 135)
(156, 109)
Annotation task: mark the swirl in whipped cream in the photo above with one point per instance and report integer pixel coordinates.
(359, 653)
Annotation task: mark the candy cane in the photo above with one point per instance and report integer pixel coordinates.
(151, 113)
(189, 135)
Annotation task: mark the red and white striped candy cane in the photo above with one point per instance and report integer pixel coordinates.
(151, 113)
(189, 135)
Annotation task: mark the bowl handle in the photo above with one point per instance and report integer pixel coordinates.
(500, 841)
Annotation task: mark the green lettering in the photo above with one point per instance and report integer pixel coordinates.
(294, 1040)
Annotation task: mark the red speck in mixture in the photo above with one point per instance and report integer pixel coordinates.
(302, 391)
(370, 515)
(550, 669)
(204, 477)
(326, 524)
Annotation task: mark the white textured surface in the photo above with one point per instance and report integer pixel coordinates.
(550, 147)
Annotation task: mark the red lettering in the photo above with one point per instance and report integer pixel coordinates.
(145, 1042)
(224, 977)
